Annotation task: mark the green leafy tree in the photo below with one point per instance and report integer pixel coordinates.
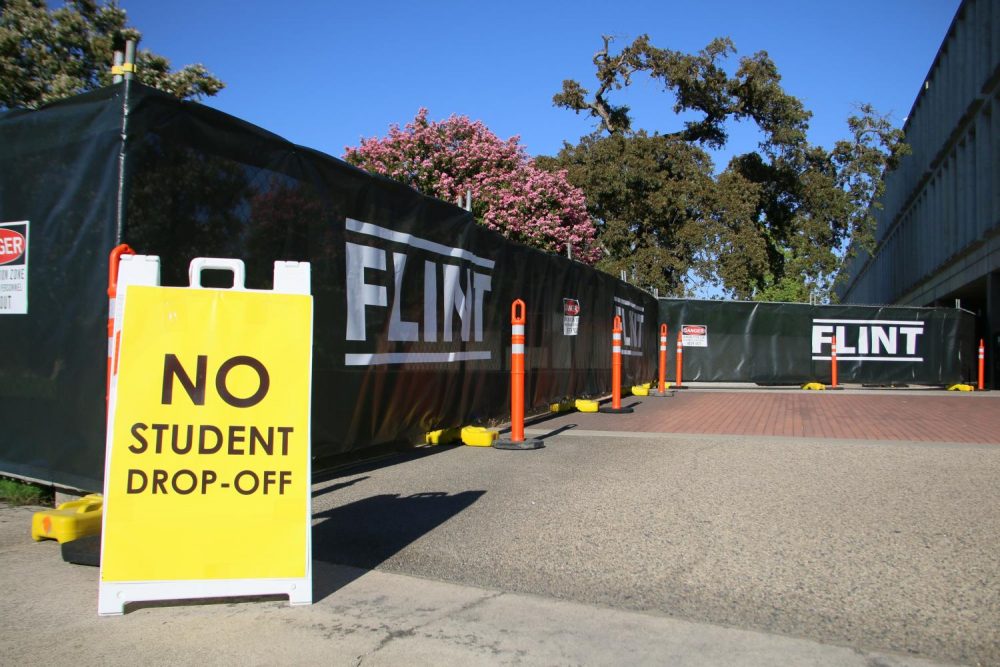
(778, 222)
(46, 55)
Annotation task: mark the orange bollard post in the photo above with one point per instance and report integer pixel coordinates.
(516, 439)
(982, 366)
(616, 370)
(661, 389)
(833, 362)
(113, 260)
(680, 360)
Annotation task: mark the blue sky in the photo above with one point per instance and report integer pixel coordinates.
(326, 73)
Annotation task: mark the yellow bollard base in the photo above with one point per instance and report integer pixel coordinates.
(70, 521)
(584, 405)
(443, 436)
(477, 436)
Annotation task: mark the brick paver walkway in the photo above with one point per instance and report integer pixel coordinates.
(875, 416)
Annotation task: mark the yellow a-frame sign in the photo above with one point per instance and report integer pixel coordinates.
(207, 476)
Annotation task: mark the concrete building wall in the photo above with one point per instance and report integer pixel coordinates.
(939, 230)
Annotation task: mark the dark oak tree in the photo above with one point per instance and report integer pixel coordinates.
(777, 223)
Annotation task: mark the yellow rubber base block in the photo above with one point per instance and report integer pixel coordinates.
(814, 386)
(70, 521)
(961, 387)
(443, 436)
(564, 406)
(640, 390)
(584, 405)
(477, 436)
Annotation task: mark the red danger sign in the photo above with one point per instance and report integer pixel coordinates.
(694, 335)
(571, 307)
(11, 245)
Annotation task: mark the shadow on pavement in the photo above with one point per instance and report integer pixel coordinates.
(365, 533)
(337, 487)
(553, 433)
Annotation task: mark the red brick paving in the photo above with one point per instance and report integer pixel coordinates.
(875, 416)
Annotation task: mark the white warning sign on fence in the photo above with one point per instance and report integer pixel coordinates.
(14, 268)
(571, 317)
(694, 335)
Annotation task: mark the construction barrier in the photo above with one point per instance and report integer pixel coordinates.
(411, 294)
(791, 343)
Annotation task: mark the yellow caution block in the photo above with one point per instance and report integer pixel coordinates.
(584, 405)
(814, 386)
(640, 390)
(443, 436)
(70, 521)
(961, 387)
(477, 436)
(564, 406)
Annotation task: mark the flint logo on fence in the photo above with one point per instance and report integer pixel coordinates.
(455, 283)
(208, 472)
(14, 268)
(571, 317)
(867, 340)
(632, 318)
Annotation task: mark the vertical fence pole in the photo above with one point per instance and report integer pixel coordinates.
(616, 369)
(833, 361)
(982, 365)
(680, 359)
(517, 440)
(113, 261)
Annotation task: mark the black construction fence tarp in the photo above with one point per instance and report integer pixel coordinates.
(412, 298)
(788, 343)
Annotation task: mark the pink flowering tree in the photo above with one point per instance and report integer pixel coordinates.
(510, 194)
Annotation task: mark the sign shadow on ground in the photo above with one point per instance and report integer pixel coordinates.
(365, 533)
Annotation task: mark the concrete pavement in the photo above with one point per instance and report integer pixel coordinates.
(49, 612)
(614, 544)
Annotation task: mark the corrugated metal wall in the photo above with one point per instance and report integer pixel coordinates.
(944, 199)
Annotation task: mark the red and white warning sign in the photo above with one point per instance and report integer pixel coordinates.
(571, 317)
(694, 335)
(14, 268)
